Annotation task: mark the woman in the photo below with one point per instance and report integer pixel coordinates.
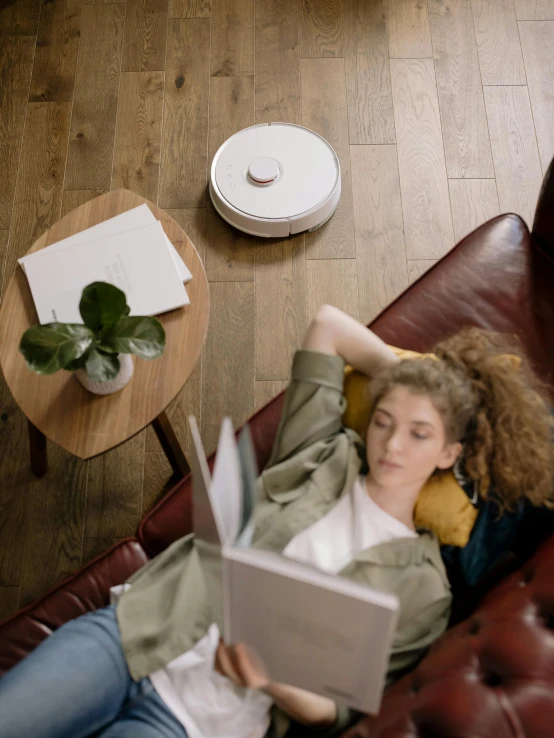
(154, 666)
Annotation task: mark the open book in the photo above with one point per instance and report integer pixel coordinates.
(311, 629)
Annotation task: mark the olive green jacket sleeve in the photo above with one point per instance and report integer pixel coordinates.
(314, 404)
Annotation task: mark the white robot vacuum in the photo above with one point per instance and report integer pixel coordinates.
(275, 179)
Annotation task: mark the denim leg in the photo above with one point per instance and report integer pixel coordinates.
(72, 685)
(145, 715)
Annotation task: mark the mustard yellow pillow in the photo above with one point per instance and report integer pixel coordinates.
(442, 505)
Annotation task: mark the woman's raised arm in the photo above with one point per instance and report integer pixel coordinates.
(334, 332)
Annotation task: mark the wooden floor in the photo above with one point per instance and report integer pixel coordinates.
(441, 112)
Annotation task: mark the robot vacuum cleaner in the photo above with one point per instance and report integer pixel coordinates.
(275, 179)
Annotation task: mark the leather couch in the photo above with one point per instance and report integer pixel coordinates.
(491, 675)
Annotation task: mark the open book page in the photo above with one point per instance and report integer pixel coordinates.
(206, 517)
(249, 473)
(226, 486)
(312, 630)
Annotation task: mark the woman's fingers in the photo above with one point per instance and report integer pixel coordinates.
(250, 667)
(226, 664)
(240, 665)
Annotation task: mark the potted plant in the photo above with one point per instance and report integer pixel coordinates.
(98, 351)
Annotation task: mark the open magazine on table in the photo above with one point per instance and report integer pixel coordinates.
(311, 629)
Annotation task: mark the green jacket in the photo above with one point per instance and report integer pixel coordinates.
(315, 460)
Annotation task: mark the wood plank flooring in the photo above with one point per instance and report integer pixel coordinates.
(440, 112)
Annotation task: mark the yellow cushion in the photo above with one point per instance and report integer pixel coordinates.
(442, 505)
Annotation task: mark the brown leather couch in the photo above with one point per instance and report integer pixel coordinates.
(492, 675)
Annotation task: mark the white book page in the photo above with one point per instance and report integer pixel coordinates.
(127, 221)
(139, 262)
(226, 487)
(206, 517)
(312, 630)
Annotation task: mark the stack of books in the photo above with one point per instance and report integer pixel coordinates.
(130, 251)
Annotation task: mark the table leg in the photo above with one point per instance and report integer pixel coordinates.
(39, 453)
(170, 444)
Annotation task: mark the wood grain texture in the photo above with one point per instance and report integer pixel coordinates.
(408, 29)
(3, 252)
(368, 85)
(230, 254)
(277, 65)
(19, 18)
(16, 63)
(93, 547)
(534, 9)
(16, 482)
(537, 40)
(158, 479)
(91, 143)
(72, 199)
(57, 404)
(380, 248)
(498, 44)
(320, 28)
(190, 8)
(334, 282)
(228, 386)
(418, 267)
(232, 108)
(473, 201)
(145, 36)
(324, 110)
(38, 194)
(53, 523)
(232, 50)
(464, 125)
(9, 601)
(188, 400)
(114, 491)
(423, 183)
(280, 306)
(183, 176)
(186, 403)
(264, 392)
(136, 163)
(514, 148)
(56, 51)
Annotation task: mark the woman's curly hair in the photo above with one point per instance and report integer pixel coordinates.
(497, 409)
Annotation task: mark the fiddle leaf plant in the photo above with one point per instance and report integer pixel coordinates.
(108, 330)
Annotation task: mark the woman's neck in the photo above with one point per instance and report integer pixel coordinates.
(398, 502)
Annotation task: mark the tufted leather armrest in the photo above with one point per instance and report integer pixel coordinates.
(491, 676)
(86, 590)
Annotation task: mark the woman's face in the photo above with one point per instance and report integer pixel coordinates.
(406, 440)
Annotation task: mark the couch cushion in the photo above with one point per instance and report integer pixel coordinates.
(495, 278)
(86, 590)
(490, 676)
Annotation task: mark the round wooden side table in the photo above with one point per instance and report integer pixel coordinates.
(57, 407)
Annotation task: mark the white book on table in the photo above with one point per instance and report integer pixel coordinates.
(127, 221)
(139, 262)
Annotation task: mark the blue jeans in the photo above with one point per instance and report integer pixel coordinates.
(76, 684)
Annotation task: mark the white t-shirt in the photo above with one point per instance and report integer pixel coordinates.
(210, 705)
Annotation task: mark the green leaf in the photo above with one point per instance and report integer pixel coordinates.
(142, 336)
(102, 347)
(101, 367)
(53, 346)
(102, 305)
(77, 363)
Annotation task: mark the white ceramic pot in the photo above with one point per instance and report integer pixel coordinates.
(112, 385)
